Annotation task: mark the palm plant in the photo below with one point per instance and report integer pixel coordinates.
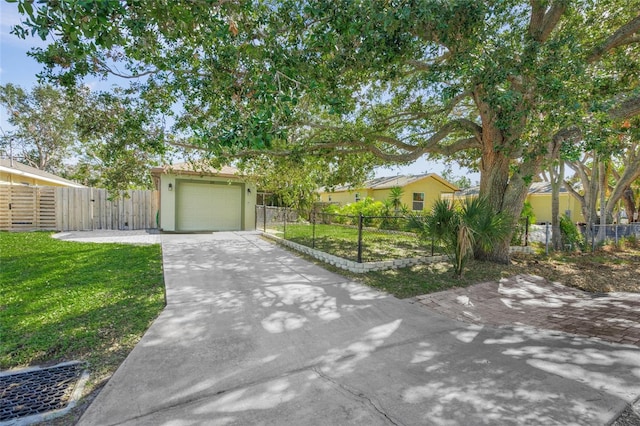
(393, 207)
(395, 198)
(464, 230)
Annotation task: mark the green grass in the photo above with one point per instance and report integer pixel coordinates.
(423, 279)
(61, 300)
(342, 241)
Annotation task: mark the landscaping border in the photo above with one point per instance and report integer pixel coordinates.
(361, 268)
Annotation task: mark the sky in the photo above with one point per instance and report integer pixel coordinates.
(18, 68)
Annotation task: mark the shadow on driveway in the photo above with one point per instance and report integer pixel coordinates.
(253, 334)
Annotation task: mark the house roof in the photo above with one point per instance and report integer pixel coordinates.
(392, 181)
(195, 168)
(15, 168)
(535, 188)
(543, 188)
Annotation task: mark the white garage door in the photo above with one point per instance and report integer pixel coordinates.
(208, 207)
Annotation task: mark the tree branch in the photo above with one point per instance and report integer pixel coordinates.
(572, 191)
(543, 21)
(118, 74)
(551, 19)
(423, 66)
(537, 17)
(624, 35)
(627, 109)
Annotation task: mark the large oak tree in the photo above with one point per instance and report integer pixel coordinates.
(395, 80)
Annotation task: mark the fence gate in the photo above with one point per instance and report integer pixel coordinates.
(26, 208)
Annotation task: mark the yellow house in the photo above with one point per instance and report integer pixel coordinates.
(539, 197)
(419, 192)
(14, 173)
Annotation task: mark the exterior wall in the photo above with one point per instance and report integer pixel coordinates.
(167, 203)
(432, 188)
(541, 204)
(168, 199)
(16, 179)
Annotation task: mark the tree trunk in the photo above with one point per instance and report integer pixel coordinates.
(623, 184)
(629, 203)
(504, 197)
(505, 191)
(603, 193)
(588, 202)
(557, 177)
(494, 181)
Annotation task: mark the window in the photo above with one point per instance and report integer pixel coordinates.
(418, 201)
(357, 197)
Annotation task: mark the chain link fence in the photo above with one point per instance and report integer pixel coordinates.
(600, 234)
(357, 238)
(586, 237)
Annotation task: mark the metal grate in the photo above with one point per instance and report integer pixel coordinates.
(38, 391)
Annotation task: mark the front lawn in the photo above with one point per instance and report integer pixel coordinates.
(342, 241)
(62, 301)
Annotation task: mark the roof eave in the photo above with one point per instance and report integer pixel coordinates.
(43, 178)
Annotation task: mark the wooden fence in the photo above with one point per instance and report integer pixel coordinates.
(28, 208)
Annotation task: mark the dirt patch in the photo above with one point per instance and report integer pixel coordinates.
(604, 271)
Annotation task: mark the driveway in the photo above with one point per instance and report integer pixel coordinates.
(252, 334)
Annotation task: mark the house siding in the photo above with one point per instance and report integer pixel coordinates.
(431, 187)
(541, 205)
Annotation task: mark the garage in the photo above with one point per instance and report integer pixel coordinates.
(197, 198)
(208, 206)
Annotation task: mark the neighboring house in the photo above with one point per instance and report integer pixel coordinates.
(539, 197)
(14, 173)
(199, 198)
(419, 192)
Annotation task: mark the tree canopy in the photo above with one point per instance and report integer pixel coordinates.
(99, 139)
(43, 121)
(496, 85)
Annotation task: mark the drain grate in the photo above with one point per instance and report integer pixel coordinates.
(37, 391)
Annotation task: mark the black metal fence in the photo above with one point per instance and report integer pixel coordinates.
(359, 238)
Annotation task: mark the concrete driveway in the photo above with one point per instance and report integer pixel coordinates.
(253, 334)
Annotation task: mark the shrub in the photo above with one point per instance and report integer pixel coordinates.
(571, 235)
(521, 227)
(366, 207)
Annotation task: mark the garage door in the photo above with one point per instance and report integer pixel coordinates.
(208, 207)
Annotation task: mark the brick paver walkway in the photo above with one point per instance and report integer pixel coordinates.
(534, 301)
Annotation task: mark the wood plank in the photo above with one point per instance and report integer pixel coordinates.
(67, 209)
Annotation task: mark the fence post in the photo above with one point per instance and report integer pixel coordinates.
(616, 233)
(433, 245)
(360, 221)
(264, 218)
(313, 222)
(284, 224)
(526, 232)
